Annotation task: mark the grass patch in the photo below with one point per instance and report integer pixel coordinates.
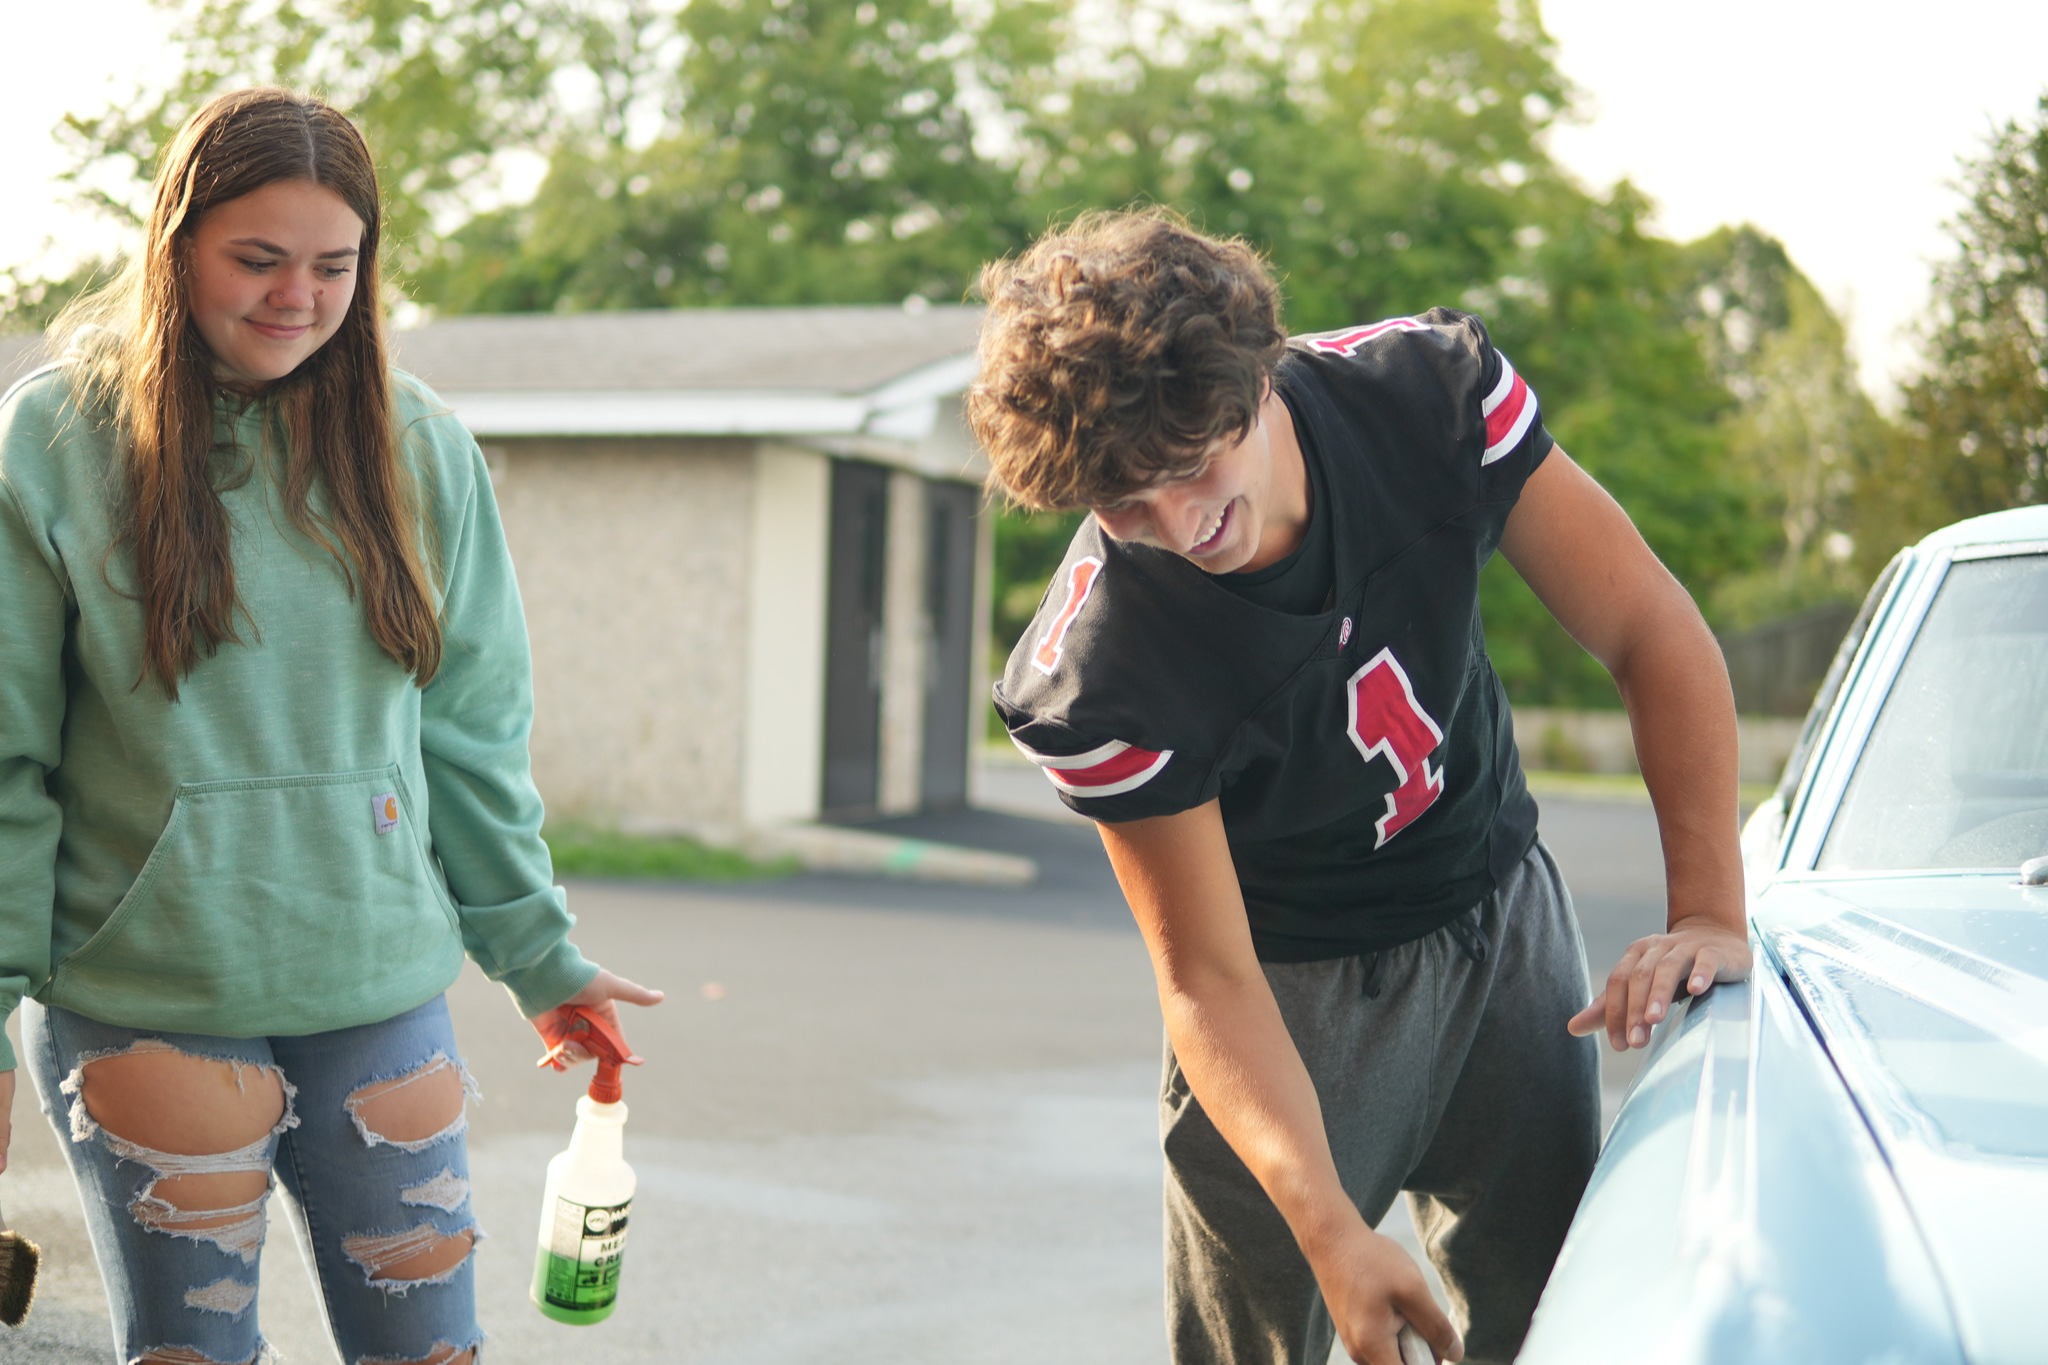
(1596, 786)
(584, 851)
(1623, 787)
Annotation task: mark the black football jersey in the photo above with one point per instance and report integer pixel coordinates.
(1364, 755)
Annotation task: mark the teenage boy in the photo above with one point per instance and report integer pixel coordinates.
(1260, 670)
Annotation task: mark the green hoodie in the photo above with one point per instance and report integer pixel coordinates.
(305, 840)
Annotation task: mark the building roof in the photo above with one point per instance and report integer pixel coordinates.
(878, 381)
(843, 350)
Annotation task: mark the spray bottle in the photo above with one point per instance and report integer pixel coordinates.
(589, 1192)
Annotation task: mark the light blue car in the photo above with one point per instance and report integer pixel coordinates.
(1845, 1159)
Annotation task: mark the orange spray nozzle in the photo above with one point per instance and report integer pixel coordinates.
(596, 1035)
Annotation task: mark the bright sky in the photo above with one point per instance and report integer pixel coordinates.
(1834, 125)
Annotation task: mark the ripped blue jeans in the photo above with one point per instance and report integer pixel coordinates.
(364, 1127)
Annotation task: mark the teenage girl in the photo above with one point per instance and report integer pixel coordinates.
(264, 704)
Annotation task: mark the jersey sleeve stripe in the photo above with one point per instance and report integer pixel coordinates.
(1509, 410)
(1347, 343)
(1107, 770)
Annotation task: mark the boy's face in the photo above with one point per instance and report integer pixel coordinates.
(1244, 507)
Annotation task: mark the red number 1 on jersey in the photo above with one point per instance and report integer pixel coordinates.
(1080, 582)
(1387, 722)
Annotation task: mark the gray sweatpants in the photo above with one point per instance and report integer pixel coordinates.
(1445, 1076)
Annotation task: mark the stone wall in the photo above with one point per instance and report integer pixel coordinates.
(633, 564)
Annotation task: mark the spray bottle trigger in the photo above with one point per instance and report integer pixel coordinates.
(597, 1035)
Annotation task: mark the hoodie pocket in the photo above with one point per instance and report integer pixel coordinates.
(258, 884)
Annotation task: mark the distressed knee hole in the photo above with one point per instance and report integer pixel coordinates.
(421, 1255)
(442, 1354)
(211, 1199)
(213, 1215)
(228, 1296)
(446, 1192)
(157, 1099)
(178, 1355)
(416, 1109)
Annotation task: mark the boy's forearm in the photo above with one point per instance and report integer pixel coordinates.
(1242, 1065)
(1675, 685)
(1230, 1039)
(1584, 559)
(1241, 1062)
(1233, 1046)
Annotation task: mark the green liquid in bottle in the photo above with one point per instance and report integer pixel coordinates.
(560, 1272)
(581, 1288)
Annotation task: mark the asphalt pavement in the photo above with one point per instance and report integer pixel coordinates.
(880, 1121)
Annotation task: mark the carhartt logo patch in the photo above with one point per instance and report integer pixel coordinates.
(385, 808)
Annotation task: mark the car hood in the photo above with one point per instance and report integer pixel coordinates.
(1930, 993)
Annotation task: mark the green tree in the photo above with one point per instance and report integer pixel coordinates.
(738, 151)
(29, 303)
(808, 152)
(1596, 314)
(439, 87)
(1383, 151)
(1802, 427)
(1425, 150)
(1976, 423)
(1389, 154)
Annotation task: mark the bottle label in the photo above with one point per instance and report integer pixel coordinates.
(585, 1246)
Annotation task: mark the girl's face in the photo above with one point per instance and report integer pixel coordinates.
(271, 275)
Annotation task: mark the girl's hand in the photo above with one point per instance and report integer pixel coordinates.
(599, 998)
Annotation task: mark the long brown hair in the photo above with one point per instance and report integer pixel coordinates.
(142, 361)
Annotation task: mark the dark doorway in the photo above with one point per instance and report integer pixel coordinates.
(853, 638)
(950, 694)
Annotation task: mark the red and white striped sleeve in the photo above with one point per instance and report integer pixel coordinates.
(1510, 410)
(1107, 770)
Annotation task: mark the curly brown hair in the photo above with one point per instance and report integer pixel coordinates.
(1117, 351)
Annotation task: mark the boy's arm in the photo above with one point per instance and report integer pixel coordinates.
(1582, 556)
(1227, 1032)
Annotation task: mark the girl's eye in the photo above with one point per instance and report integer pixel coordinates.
(333, 272)
(257, 265)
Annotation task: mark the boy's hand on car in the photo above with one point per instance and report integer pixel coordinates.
(1696, 951)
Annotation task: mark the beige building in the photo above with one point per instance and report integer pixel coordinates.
(750, 549)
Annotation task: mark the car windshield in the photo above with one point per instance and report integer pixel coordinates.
(1955, 773)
